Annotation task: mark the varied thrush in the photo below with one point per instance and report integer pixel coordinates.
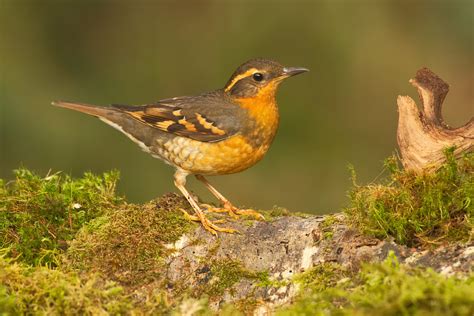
(220, 132)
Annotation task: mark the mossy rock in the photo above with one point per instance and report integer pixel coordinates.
(128, 244)
(71, 246)
(426, 208)
(386, 288)
(39, 215)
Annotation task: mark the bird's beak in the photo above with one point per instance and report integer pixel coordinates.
(292, 71)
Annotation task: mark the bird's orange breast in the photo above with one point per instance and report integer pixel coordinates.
(231, 155)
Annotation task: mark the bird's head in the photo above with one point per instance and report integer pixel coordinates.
(259, 78)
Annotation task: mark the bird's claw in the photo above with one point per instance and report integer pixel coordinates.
(234, 212)
(209, 225)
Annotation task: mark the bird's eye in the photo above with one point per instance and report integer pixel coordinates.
(257, 76)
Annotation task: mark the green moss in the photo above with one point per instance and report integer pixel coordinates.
(277, 212)
(38, 215)
(421, 208)
(327, 226)
(226, 273)
(387, 288)
(127, 244)
(42, 291)
(321, 277)
(264, 280)
(81, 226)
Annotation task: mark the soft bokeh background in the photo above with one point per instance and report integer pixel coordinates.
(361, 55)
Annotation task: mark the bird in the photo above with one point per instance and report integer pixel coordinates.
(220, 132)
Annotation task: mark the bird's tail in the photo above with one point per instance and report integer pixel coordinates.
(85, 108)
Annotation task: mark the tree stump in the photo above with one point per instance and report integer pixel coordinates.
(423, 135)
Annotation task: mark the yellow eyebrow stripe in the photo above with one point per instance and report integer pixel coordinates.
(237, 78)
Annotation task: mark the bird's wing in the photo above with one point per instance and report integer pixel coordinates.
(207, 118)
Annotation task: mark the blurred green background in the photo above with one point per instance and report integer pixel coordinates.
(361, 55)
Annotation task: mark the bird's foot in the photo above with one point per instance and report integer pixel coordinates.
(212, 209)
(233, 211)
(209, 225)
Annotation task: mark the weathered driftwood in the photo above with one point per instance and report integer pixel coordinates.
(423, 135)
(287, 246)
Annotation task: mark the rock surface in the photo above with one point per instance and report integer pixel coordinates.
(289, 245)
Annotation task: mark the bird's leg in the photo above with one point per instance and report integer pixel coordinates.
(228, 207)
(180, 182)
